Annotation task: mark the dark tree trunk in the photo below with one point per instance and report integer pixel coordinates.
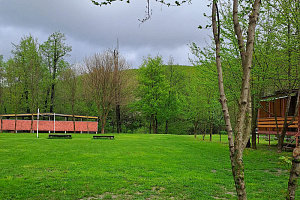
(52, 97)
(118, 118)
(74, 124)
(155, 125)
(254, 138)
(248, 144)
(195, 128)
(254, 123)
(210, 131)
(167, 127)
(46, 100)
(285, 126)
(31, 124)
(16, 124)
(26, 98)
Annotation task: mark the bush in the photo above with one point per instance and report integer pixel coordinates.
(223, 132)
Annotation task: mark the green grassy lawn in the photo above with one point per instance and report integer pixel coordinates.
(132, 166)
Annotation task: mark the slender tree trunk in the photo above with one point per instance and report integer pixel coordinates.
(205, 125)
(26, 100)
(243, 126)
(31, 124)
(46, 100)
(253, 131)
(16, 124)
(52, 97)
(74, 128)
(294, 174)
(167, 127)
(254, 125)
(118, 119)
(154, 124)
(286, 124)
(103, 122)
(210, 131)
(195, 128)
(150, 124)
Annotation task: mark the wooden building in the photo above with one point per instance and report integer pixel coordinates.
(48, 122)
(271, 116)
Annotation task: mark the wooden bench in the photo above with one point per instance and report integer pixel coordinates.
(59, 136)
(103, 136)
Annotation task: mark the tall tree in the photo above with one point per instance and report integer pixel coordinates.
(54, 51)
(123, 90)
(175, 81)
(28, 61)
(14, 94)
(243, 125)
(152, 90)
(102, 80)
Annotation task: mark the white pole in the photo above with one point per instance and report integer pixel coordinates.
(54, 122)
(37, 124)
(49, 122)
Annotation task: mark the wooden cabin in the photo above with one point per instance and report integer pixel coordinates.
(48, 122)
(271, 116)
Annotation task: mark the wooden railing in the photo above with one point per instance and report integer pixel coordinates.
(272, 125)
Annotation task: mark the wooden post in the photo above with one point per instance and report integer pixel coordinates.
(269, 140)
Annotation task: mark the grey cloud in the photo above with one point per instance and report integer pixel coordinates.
(90, 29)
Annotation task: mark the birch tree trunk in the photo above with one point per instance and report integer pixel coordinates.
(238, 142)
(294, 174)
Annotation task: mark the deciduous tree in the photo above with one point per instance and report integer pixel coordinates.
(102, 81)
(54, 51)
(152, 90)
(238, 137)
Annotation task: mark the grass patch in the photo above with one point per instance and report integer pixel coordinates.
(132, 166)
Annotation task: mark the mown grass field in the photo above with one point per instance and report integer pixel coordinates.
(132, 166)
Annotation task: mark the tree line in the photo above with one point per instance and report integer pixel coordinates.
(156, 98)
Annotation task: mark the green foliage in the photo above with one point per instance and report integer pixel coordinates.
(152, 89)
(54, 51)
(285, 161)
(223, 132)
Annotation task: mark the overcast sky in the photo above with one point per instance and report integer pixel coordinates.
(90, 29)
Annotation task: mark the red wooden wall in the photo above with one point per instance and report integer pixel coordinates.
(60, 126)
